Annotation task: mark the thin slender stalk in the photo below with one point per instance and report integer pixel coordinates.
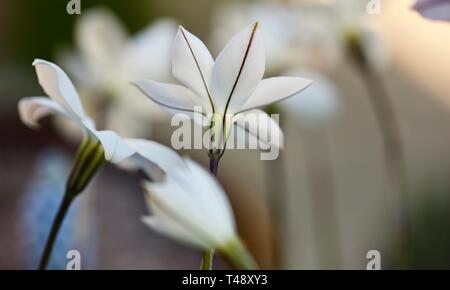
(393, 147)
(208, 259)
(62, 211)
(88, 161)
(208, 255)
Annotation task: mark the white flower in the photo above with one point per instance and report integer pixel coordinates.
(107, 59)
(153, 158)
(190, 206)
(224, 88)
(64, 100)
(292, 37)
(301, 33)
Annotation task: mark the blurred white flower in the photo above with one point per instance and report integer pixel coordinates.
(308, 33)
(222, 89)
(292, 37)
(191, 207)
(318, 104)
(107, 60)
(434, 9)
(64, 100)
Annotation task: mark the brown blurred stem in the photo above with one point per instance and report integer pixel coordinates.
(208, 254)
(388, 124)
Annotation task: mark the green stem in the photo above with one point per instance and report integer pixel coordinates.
(62, 211)
(208, 259)
(88, 161)
(237, 255)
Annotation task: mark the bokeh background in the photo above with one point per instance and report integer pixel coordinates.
(331, 197)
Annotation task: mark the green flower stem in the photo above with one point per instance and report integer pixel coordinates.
(89, 159)
(237, 255)
(208, 254)
(208, 259)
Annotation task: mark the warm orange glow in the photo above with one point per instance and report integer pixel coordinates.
(419, 47)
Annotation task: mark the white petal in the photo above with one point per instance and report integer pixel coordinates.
(172, 98)
(257, 124)
(171, 229)
(238, 69)
(100, 36)
(191, 198)
(148, 54)
(32, 109)
(192, 64)
(275, 89)
(318, 104)
(173, 202)
(59, 87)
(162, 156)
(217, 205)
(115, 147)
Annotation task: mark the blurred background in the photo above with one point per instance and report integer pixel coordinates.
(365, 166)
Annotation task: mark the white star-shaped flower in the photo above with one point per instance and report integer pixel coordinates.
(226, 89)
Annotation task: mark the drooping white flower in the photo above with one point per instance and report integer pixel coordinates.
(64, 100)
(224, 88)
(191, 207)
(107, 59)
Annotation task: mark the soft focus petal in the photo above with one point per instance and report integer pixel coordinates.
(434, 9)
(172, 229)
(238, 69)
(32, 109)
(100, 36)
(190, 198)
(172, 98)
(115, 147)
(257, 124)
(318, 104)
(192, 64)
(275, 89)
(162, 156)
(217, 205)
(59, 87)
(148, 54)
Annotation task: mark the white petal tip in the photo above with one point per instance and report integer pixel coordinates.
(39, 61)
